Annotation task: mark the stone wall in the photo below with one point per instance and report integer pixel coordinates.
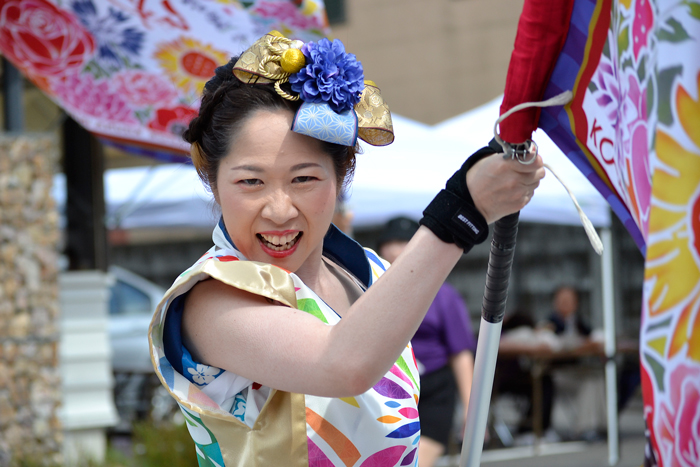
(29, 334)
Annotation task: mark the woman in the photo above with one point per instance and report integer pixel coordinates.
(274, 344)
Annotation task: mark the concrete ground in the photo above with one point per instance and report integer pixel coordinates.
(571, 453)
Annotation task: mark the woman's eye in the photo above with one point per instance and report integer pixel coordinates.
(304, 178)
(250, 181)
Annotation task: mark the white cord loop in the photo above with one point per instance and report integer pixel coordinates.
(520, 152)
(593, 237)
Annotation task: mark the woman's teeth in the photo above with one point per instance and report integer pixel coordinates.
(279, 242)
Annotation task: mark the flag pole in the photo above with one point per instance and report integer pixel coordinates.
(493, 309)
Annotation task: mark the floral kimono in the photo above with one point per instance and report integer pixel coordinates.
(237, 422)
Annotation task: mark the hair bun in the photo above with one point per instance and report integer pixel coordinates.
(222, 74)
(192, 133)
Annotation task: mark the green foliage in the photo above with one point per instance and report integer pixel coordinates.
(31, 461)
(152, 445)
(113, 458)
(160, 445)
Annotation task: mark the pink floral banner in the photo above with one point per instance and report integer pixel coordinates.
(131, 71)
(633, 128)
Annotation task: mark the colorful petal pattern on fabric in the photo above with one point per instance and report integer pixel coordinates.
(311, 307)
(401, 362)
(316, 456)
(226, 258)
(405, 431)
(409, 412)
(409, 457)
(331, 426)
(385, 457)
(340, 443)
(388, 419)
(397, 372)
(206, 445)
(350, 400)
(388, 388)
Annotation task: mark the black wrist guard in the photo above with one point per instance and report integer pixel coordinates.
(451, 215)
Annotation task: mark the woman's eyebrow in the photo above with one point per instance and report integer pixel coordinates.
(304, 165)
(250, 168)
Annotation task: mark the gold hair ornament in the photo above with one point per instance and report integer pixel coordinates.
(273, 58)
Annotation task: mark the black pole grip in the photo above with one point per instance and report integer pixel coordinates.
(493, 307)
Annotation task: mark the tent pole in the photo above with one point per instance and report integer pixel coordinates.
(610, 347)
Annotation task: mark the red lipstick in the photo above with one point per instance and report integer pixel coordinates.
(274, 252)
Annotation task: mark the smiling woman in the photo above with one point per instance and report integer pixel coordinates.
(281, 188)
(287, 343)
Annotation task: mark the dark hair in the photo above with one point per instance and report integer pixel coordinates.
(399, 228)
(562, 287)
(226, 105)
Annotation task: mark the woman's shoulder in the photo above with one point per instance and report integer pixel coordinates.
(211, 290)
(230, 270)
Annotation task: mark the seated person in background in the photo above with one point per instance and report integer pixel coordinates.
(444, 347)
(583, 384)
(564, 319)
(513, 374)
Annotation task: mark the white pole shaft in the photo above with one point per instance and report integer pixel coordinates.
(480, 398)
(610, 348)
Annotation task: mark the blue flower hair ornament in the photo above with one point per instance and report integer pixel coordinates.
(338, 104)
(331, 75)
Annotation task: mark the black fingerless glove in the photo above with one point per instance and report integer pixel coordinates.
(451, 215)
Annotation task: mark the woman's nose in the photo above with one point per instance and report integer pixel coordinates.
(279, 207)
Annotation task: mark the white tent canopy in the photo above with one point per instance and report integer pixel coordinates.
(400, 178)
(404, 177)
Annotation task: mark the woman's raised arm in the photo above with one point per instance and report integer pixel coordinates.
(290, 350)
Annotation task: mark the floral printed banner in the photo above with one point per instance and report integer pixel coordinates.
(131, 71)
(633, 128)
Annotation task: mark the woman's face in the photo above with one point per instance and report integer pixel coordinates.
(277, 191)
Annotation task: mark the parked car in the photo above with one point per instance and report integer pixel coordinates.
(138, 393)
(131, 305)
